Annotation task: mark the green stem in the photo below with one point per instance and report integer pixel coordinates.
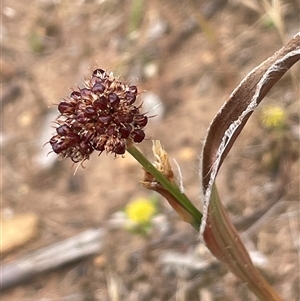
(180, 197)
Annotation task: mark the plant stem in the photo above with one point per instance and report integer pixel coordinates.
(177, 194)
(227, 246)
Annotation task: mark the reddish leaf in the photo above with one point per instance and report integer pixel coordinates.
(232, 117)
(217, 230)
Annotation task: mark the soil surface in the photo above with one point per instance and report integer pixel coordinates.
(187, 56)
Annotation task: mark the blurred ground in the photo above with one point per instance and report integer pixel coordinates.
(189, 54)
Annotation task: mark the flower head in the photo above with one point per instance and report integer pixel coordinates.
(102, 116)
(140, 211)
(273, 117)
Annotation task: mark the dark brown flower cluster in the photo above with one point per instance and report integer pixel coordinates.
(100, 117)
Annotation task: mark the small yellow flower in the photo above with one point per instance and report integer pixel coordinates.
(140, 210)
(273, 117)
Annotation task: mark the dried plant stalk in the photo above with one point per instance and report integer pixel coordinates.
(216, 229)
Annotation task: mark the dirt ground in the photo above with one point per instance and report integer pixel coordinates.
(190, 55)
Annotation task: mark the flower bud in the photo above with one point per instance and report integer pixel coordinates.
(99, 117)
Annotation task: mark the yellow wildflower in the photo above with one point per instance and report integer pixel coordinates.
(140, 210)
(273, 117)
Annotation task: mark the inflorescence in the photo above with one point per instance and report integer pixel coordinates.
(102, 116)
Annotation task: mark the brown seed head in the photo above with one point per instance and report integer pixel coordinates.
(100, 117)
